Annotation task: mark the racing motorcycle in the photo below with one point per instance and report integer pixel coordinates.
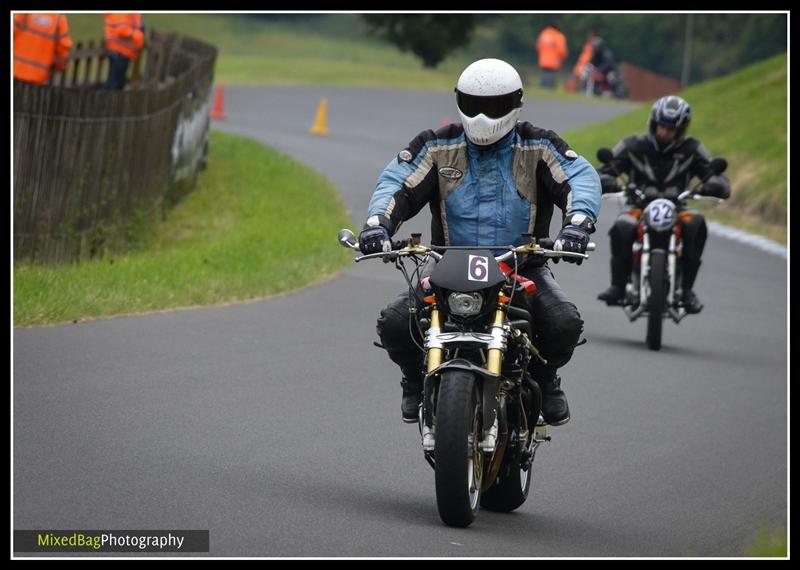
(654, 287)
(479, 421)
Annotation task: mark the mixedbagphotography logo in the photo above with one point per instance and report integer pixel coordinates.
(111, 541)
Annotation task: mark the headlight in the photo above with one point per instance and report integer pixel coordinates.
(465, 304)
(660, 215)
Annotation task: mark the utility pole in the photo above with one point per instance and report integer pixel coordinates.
(687, 51)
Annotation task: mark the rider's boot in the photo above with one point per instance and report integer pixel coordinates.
(555, 409)
(690, 301)
(615, 295)
(412, 397)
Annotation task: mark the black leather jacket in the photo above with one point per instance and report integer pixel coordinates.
(603, 59)
(665, 168)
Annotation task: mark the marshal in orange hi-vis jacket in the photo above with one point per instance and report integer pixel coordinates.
(123, 34)
(552, 47)
(41, 43)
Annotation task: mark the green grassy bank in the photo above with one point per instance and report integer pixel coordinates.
(742, 117)
(257, 224)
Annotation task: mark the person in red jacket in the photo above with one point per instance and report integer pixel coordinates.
(552, 48)
(124, 40)
(41, 44)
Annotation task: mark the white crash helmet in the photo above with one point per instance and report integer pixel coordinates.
(489, 99)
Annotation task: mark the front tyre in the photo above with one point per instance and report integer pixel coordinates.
(657, 298)
(459, 459)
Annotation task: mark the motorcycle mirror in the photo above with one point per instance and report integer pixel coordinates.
(718, 165)
(605, 155)
(347, 238)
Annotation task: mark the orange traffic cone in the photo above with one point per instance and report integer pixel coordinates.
(321, 122)
(218, 110)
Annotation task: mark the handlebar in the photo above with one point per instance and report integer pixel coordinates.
(641, 199)
(716, 166)
(408, 247)
(405, 251)
(543, 249)
(347, 239)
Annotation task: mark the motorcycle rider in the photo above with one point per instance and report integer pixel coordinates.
(603, 61)
(487, 181)
(663, 161)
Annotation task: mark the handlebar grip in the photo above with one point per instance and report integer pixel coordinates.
(400, 244)
(547, 243)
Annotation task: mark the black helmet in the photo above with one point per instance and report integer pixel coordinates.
(672, 112)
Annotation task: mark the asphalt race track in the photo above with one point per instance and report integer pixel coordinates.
(275, 424)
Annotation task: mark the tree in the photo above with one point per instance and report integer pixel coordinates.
(431, 37)
(721, 43)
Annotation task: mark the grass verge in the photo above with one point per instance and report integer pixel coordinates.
(769, 542)
(257, 224)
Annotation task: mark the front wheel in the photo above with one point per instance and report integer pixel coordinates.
(459, 459)
(657, 298)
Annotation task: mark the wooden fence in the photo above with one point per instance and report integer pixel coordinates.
(645, 85)
(91, 167)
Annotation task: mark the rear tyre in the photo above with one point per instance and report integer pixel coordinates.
(510, 489)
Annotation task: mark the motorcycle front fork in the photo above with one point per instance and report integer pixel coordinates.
(637, 291)
(435, 354)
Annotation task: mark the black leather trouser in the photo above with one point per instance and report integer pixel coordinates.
(557, 327)
(623, 234)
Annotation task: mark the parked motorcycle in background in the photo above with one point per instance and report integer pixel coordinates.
(480, 422)
(593, 82)
(654, 287)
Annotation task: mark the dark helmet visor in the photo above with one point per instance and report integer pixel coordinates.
(669, 122)
(494, 106)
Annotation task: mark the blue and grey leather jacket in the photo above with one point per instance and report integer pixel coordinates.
(485, 195)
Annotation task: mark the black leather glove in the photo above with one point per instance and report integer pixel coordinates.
(608, 184)
(374, 240)
(574, 237)
(717, 187)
